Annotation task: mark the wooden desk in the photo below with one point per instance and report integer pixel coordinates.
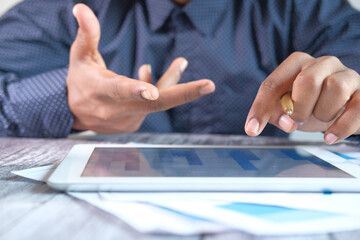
(31, 210)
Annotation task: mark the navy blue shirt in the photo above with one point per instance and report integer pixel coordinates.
(235, 43)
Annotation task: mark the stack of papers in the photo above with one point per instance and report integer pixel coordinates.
(196, 213)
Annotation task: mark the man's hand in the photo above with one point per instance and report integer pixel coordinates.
(106, 102)
(325, 94)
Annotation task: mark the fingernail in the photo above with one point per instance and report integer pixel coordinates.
(149, 68)
(208, 88)
(285, 123)
(331, 138)
(253, 126)
(146, 95)
(74, 10)
(183, 65)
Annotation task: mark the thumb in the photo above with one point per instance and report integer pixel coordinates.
(88, 36)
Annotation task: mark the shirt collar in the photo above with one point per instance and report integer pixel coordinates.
(204, 14)
(159, 11)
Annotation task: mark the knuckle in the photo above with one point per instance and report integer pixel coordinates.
(302, 57)
(269, 85)
(296, 56)
(104, 114)
(155, 106)
(354, 77)
(306, 65)
(127, 89)
(339, 88)
(307, 80)
(118, 88)
(352, 73)
(189, 96)
(331, 60)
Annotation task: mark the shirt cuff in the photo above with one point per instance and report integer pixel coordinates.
(36, 106)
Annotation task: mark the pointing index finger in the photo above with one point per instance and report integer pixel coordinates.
(271, 90)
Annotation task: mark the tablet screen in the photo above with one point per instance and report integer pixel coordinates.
(208, 162)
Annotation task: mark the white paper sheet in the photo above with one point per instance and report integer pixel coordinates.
(177, 213)
(283, 222)
(143, 217)
(350, 153)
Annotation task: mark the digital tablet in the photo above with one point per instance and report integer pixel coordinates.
(204, 168)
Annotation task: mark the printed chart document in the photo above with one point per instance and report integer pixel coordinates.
(195, 213)
(142, 216)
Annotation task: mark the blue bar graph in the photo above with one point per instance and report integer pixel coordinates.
(165, 156)
(190, 155)
(277, 214)
(243, 159)
(240, 156)
(296, 156)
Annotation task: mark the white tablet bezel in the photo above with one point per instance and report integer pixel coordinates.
(67, 176)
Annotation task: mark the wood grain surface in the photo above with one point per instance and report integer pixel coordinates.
(31, 210)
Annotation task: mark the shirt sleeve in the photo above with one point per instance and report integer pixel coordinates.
(35, 38)
(327, 28)
(35, 106)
